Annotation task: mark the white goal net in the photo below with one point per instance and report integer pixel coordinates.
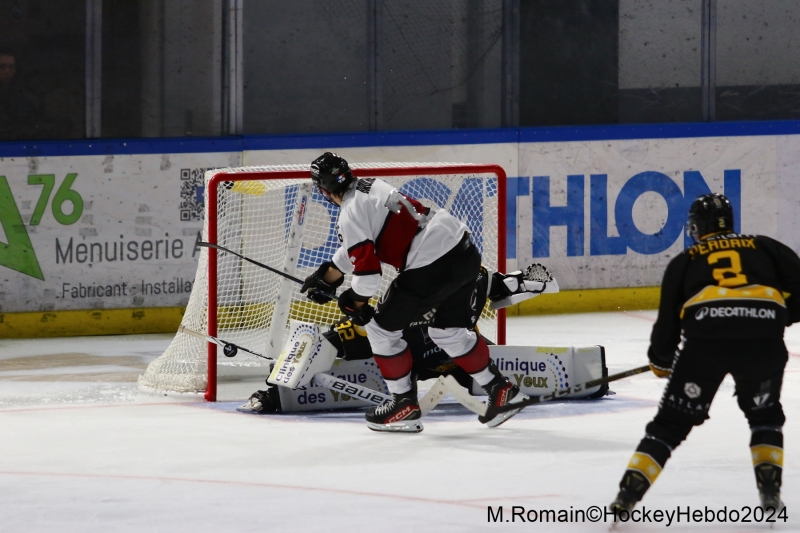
(274, 216)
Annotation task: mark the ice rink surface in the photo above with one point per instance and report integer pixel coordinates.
(82, 449)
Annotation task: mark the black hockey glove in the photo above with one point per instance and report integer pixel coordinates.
(319, 290)
(347, 303)
(661, 368)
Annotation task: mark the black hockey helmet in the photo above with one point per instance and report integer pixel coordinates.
(709, 213)
(331, 174)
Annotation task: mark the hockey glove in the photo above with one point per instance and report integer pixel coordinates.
(661, 368)
(660, 371)
(359, 316)
(319, 290)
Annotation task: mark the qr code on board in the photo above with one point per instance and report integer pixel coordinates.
(192, 204)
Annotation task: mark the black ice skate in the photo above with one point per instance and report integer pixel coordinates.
(771, 500)
(768, 479)
(622, 506)
(400, 415)
(501, 392)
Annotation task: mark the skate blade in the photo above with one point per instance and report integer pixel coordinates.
(404, 426)
(503, 417)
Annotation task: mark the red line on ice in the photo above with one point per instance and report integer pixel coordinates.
(464, 503)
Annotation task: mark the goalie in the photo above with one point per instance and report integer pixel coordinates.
(429, 361)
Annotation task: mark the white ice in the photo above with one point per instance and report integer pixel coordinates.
(82, 449)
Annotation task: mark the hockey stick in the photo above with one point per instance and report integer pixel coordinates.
(426, 403)
(228, 348)
(480, 408)
(262, 265)
(329, 382)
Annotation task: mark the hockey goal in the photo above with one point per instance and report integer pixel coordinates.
(273, 215)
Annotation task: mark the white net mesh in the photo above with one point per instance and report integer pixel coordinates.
(287, 225)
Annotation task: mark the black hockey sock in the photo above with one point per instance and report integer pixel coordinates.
(644, 467)
(766, 448)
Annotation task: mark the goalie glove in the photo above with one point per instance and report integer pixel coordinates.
(358, 315)
(319, 290)
(515, 287)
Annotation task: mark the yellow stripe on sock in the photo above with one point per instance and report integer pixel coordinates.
(641, 462)
(764, 453)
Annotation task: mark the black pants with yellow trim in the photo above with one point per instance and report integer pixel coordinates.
(756, 366)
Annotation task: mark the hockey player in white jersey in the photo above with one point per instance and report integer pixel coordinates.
(438, 267)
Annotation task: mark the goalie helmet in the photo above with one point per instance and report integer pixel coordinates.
(709, 213)
(331, 174)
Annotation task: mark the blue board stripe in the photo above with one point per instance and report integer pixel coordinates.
(399, 138)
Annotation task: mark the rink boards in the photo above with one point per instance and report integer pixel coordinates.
(101, 237)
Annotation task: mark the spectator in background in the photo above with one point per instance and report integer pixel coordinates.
(19, 112)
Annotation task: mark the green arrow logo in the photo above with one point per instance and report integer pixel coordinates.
(18, 253)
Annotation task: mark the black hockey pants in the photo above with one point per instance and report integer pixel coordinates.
(757, 369)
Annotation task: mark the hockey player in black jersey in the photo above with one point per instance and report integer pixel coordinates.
(438, 267)
(731, 296)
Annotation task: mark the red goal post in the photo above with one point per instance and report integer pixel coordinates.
(273, 215)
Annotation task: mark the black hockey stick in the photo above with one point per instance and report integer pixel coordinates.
(569, 390)
(262, 265)
(228, 348)
(480, 408)
(328, 381)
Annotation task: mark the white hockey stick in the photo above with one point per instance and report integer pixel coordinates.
(426, 403)
(463, 396)
(433, 396)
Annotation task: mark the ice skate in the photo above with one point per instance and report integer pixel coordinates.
(400, 415)
(623, 503)
(501, 392)
(771, 500)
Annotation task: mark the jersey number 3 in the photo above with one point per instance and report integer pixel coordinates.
(728, 276)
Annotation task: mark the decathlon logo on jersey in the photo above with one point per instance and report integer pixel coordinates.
(742, 312)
